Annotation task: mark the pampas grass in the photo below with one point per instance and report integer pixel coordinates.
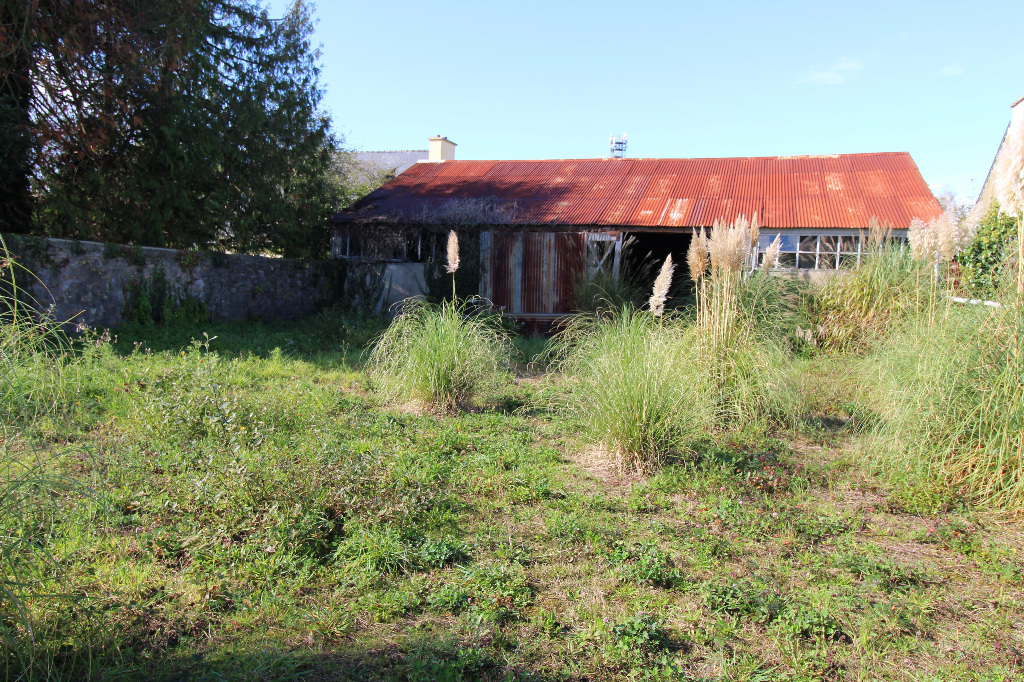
(948, 389)
(453, 258)
(771, 254)
(629, 382)
(438, 356)
(939, 240)
(661, 287)
(697, 257)
(1009, 186)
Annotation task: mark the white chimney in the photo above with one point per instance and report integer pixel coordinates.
(441, 149)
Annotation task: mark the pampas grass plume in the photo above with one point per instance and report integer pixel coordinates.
(697, 258)
(729, 246)
(920, 240)
(771, 255)
(453, 252)
(661, 285)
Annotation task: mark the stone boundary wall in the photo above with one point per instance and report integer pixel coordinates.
(90, 282)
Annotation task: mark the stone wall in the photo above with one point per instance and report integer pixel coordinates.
(91, 282)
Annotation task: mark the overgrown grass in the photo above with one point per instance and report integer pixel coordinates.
(439, 355)
(37, 382)
(859, 308)
(631, 384)
(643, 386)
(259, 515)
(951, 391)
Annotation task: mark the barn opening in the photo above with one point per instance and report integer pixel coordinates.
(647, 251)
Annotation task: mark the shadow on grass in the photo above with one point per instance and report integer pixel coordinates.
(328, 337)
(418, 659)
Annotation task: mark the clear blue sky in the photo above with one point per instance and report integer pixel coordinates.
(519, 80)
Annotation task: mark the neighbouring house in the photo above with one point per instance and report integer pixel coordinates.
(376, 168)
(988, 191)
(540, 225)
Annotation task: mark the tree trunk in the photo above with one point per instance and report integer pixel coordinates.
(15, 123)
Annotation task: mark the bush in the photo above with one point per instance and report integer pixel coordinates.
(983, 261)
(439, 355)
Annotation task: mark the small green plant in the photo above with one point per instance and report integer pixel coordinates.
(441, 552)
(887, 576)
(376, 551)
(808, 623)
(644, 563)
(439, 355)
(640, 633)
(747, 600)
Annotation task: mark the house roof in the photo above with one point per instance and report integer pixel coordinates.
(842, 190)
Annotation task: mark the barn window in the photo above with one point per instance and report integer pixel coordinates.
(814, 251)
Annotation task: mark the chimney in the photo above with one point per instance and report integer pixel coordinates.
(441, 149)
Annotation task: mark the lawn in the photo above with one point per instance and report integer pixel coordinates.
(243, 507)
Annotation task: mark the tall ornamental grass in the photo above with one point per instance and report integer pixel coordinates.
(856, 309)
(35, 382)
(629, 382)
(643, 382)
(439, 356)
(950, 392)
(738, 341)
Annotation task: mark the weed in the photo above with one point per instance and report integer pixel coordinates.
(646, 564)
(746, 600)
(642, 632)
(378, 550)
(887, 576)
(441, 552)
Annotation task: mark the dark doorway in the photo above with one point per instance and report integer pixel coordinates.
(648, 250)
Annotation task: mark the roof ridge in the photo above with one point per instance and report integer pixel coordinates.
(677, 158)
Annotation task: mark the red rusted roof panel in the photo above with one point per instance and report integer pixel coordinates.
(843, 190)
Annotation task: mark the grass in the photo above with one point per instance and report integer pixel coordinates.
(439, 355)
(240, 507)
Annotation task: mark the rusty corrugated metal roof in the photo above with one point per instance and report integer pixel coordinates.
(842, 190)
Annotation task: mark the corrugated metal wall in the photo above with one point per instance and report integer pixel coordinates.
(531, 273)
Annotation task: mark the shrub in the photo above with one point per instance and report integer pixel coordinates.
(983, 261)
(439, 355)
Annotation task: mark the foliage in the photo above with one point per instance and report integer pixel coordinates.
(983, 262)
(949, 387)
(630, 384)
(174, 123)
(154, 299)
(439, 355)
(857, 309)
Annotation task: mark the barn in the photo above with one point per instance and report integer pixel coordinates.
(537, 226)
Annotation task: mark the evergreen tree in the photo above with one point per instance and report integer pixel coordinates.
(182, 123)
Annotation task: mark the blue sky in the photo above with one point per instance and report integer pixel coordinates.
(518, 80)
